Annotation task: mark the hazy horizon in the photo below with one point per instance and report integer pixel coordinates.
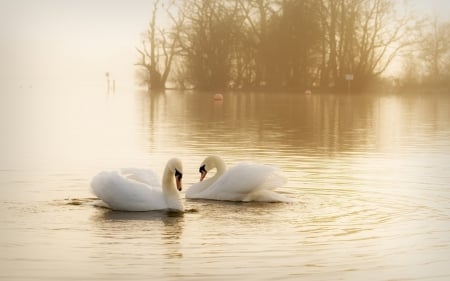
(79, 42)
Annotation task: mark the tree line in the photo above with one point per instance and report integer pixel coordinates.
(275, 44)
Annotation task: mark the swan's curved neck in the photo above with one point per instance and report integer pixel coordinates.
(220, 170)
(170, 192)
(168, 180)
(203, 186)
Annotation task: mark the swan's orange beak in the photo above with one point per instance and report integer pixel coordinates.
(178, 177)
(203, 172)
(203, 175)
(179, 185)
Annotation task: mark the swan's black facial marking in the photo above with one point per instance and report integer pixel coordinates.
(203, 172)
(178, 177)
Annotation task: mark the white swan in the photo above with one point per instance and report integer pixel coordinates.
(139, 189)
(245, 182)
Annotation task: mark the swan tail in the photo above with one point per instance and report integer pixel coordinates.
(265, 192)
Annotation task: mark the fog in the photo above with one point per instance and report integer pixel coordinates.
(79, 41)
(76, 41)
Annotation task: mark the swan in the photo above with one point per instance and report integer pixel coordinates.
(246, 181)
(139, 189)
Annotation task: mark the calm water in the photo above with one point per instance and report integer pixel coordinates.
(370, 177)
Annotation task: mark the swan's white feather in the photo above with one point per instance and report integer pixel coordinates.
(247, 181)
(146, 176)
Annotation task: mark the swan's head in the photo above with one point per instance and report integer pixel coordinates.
(208, 164)
(176, 167)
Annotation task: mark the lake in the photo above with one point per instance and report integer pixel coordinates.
(368, 174)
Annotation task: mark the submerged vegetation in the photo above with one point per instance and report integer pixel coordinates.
(290, 45)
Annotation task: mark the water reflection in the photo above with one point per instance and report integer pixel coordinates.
(148, 228)
(327, 124)
(166, 217)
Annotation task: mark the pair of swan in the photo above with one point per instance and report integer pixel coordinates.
(139, 189)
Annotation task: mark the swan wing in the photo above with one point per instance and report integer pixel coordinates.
(145, 176)
(125, 194)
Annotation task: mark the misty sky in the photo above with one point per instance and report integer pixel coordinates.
(51, 40)
(71, 40)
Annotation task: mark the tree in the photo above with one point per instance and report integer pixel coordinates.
(361, 37)
(157, 45)
(295, 28)
(257, 15)
(208, 42)
(276, 44)
(412, 71)
(435, 49)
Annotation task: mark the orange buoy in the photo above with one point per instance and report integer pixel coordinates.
(218, 97)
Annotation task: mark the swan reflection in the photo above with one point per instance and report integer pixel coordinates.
(116, 216)
(158, 232)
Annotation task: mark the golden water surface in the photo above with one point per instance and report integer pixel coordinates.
(369, 176)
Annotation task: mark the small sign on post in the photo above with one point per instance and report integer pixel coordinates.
(349, 78)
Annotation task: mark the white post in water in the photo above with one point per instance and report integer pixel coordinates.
(349, 78)
(107, 81)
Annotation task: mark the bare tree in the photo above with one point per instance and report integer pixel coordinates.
(361, 37)
(208, 42)
(276, 44)
(257, 15)
(384, 35)
(159, 49)
(435, 49)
